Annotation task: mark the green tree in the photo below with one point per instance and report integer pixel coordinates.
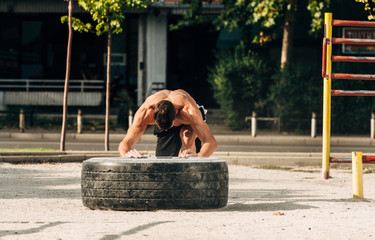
(107, 16)
(369, 7)
(264, 18)
(267, 14)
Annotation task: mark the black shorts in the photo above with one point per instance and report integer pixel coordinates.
(169, 142)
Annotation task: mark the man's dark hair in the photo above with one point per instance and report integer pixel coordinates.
(164, 114)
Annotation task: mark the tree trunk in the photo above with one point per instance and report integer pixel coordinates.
(67, 76)
(106, 140)
(288, 33)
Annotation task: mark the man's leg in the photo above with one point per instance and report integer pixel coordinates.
(188, 137)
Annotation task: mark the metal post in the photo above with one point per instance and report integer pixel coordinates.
(372, 125)
(79, 121)
(313, 125)
(130, 117)
(327, 96)
(22, 121)
(357, 174)
(254, 124)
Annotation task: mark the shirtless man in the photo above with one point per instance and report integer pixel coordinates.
(178, 123)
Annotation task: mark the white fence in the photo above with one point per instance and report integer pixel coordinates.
(36, 92)
(50, 85)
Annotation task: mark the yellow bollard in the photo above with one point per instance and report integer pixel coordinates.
(254, 124)
(79, 121)
(327, 98)
(130, 118)
(22, 121)
(357, 175)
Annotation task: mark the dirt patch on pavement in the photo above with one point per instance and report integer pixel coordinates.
(43, 201)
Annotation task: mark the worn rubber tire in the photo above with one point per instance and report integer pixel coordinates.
(154, 183)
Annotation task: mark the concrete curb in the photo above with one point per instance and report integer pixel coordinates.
(42, 158)
(242, 158)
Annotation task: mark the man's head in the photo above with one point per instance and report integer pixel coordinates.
(164, 114)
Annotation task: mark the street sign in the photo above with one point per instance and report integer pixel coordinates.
(359, 33)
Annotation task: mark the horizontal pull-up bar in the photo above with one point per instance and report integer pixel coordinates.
(350, 23)
(352, 59)
(352, 93)
(353, 76)
(356, 41)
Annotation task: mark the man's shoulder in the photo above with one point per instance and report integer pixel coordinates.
(181, 99)
(190, 114)
(144, 117)
(179, 93)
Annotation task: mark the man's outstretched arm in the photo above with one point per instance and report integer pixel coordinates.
(133, 135)
(131, 138)
(209, 144)
(202, 131)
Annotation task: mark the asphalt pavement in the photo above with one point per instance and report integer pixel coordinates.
(234, 147)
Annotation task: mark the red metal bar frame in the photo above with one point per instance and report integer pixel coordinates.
(352, 93)
(337, 160)
(352, 59)
(353, 23)
(365, 159)
(324, 57)
(368, 159)
(355, 41)
(353, 76)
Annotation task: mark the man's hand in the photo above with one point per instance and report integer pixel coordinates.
(188, 153)
(134, 154)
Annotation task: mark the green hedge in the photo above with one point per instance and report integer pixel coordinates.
(239, 81)
(294, 95)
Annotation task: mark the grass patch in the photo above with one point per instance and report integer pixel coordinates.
(369, 171)
(306, 171)
(275, 168)
(288, 169)
(28, 150)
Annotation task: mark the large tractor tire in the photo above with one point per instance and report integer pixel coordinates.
(116, 183)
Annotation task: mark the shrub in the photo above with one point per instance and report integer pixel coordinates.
(294, 95)
(239, 81)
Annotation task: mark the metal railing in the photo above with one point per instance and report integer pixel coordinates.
(50, 85)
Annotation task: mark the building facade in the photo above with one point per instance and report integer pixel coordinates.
(146, 56)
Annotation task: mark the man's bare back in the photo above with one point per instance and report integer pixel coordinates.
(187, 113)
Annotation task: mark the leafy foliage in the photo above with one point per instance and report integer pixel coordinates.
(295, 94)
(245, 14)
(239, 79)
(369, 7)
(106, 14)
(316, 9)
